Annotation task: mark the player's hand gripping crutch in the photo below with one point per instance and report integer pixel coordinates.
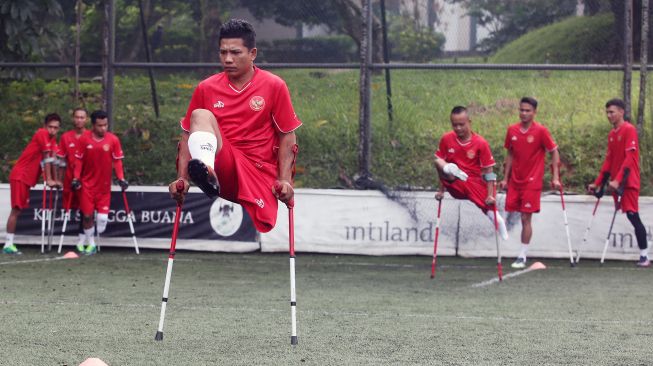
(291, 252)
(598, 193)
(129, 215)
(437, 234)
(171, 257)
(617, 206)
(496, 234)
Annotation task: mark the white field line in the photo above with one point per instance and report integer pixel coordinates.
(49, 259)
(381, 314)
(509, 275)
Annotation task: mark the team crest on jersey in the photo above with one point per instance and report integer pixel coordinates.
(619, 138)
(105, 147)
(257, 103)
(471, 154)
(530, 139)
(72, 144)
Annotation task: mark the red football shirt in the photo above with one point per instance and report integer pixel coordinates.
(250, 117)
(528, 149)
(68, 144)
(470, 156)
(97, 158)
(28, 166)
(623, 152)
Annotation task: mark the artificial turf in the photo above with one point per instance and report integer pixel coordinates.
(233, 309)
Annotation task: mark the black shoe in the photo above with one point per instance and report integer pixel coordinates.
(204, 178)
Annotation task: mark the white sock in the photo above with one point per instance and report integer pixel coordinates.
(10, 240)
(643, 252)
(524, 251)
(203, 145)
(90, 237)
(82, 239)
(503, 231)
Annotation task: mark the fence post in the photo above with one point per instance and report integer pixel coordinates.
(628, 56)
(365, 92)
(643, 54)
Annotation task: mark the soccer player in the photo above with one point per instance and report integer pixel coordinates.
(99, 153)
(36, 160)
(465, 165)
(68, 145)
(623, 154)
(238, 140)
(527, 142)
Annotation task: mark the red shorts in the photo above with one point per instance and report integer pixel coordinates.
(19, 194)
(474, 190)
(629, 200)
(90, 201)
(523, 200)
(248, 183)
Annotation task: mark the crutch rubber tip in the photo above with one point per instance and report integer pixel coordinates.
(293, 340)
(158, 336)
(432, 276)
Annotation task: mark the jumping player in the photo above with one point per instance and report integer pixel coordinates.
(527, 142)
(68, 145)
(465, 165)
(238, 140)
(99, 153)
(622, 154)
(37, 160)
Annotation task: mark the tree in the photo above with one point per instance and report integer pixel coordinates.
(509, 19)
(26, 32)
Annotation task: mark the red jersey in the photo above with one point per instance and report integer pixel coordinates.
(528, 149)
(68, 144)
(95, 160)
(470, 156)
(250, 117)
(623, 152)
(28, 166)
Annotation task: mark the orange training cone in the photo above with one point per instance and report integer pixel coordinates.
(93, 361)
(537, 265)
(71, 255)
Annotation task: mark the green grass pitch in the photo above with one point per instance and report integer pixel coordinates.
(233, 309)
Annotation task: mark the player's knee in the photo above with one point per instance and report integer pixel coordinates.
(201, 116)
(102, 220)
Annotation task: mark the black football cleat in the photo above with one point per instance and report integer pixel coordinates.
(204, 177)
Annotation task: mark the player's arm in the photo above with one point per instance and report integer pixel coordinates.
(183, 157)
(490, 179)
(555, 169)
(286, 164)
(48, 169)
(507, 169)
(630, 163)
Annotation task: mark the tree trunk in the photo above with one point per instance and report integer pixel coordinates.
(78, 28)
(351, 14)
(628, 56)
(209, 32)
(105, 53)
(642, 67)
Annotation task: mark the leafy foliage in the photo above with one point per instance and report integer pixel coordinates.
(410, 41)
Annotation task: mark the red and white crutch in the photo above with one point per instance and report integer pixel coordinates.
(435, 242)
(496, 235)
(291, 252)
(129, 219)
(598, 194)
(564, 215)
(171, 257)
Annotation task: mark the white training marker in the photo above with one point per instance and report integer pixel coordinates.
(534, 267)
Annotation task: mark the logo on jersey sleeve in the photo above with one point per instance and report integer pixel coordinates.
(257, 103)
(218, 104)
(471, 154)
(451, 150)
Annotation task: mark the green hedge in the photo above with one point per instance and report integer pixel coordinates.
(571, 105)
(574, 40)
(314, 49)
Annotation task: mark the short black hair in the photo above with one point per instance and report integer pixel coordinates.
(458, 110)
(80, 109)
(529, 100)
(238, 28)
(617, 103)
(51, 117)
(99, 114)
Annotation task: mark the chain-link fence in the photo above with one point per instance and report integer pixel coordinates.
(426, 56)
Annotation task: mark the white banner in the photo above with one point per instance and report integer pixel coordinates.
(367, 222)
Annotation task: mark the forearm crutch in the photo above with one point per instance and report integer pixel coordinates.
(566, 221)
(598, 194)
(496, 235)
(53, 216)
(129, 219)
(171, 258)
(617, 206)
(435, 242)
